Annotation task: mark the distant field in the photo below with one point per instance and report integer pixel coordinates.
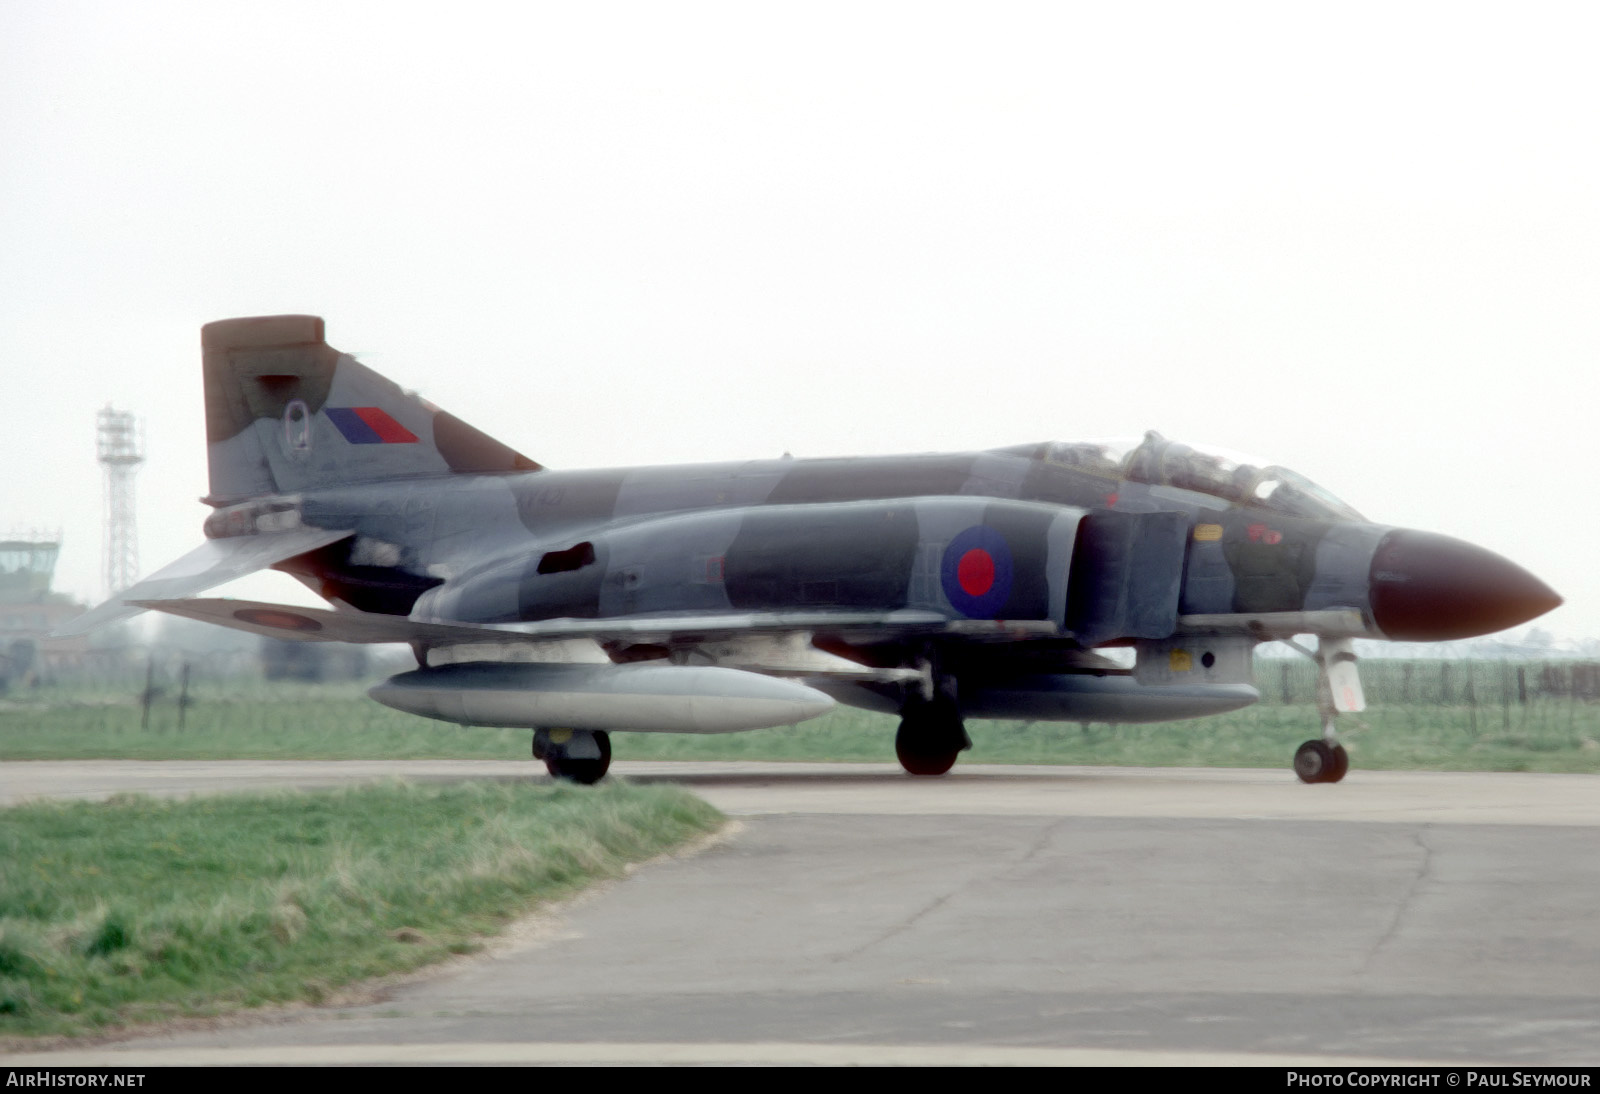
(1480, 716)
(139, 910)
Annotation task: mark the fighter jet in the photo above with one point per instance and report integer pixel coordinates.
(721, 597)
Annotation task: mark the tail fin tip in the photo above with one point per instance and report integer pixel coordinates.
(263, 332)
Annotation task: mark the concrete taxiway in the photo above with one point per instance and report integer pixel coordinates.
(997, 915)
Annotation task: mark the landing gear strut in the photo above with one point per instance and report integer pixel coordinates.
(578, 755)
(931, 735)
(1338, 692)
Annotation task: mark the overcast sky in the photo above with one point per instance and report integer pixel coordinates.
(1361, 240)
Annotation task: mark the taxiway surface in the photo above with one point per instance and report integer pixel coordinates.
(999, 914)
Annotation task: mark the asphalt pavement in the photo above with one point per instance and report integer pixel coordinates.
(1001, 914)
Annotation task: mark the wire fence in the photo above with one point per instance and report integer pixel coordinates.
(1545, 697)
(1481, 697)
(1441, 683)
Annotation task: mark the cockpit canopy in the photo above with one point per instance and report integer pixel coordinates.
(1229, 476)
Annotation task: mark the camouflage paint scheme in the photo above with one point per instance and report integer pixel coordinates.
(977, 583)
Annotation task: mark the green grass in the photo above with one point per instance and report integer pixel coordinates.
(241, 719)
(1426, 715)
(140, 910)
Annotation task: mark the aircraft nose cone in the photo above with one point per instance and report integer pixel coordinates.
(1432, 588)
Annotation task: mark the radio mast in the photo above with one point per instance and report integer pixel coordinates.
(121, 453)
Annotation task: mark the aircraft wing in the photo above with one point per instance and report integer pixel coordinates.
(323, 625)
(733, 624)
(211, 564)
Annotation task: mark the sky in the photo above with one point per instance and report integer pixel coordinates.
(1360, 240)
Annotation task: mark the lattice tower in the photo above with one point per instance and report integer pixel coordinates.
(121, 452)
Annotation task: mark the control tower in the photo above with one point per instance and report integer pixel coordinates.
(29, 610)
(27, 563)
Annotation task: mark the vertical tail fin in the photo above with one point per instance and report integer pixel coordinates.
(286, 412)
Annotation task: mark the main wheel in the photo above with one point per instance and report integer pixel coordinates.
(930, 738)
(1340, 766)
(587, 771)
(918, 759)
(1315, 762)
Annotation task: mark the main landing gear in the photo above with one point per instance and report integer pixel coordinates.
(577, 755)
(1338, 692)
(931, 735)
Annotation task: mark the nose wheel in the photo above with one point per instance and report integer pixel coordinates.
(1321, 762)
(577, 755)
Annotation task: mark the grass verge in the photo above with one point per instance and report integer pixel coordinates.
(1462, 715)
(141, 910)
(241, 720)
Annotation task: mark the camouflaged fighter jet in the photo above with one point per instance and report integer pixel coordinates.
(723, 597)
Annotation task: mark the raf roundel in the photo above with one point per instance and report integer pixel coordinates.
(976, 572)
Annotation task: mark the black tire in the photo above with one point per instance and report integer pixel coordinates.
(918, 759)
(1340, 766)
(584, 772)
(930, 738)
(1314, 761)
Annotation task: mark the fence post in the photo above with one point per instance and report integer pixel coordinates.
(1471, 692)
(183, 697)
(149, 691)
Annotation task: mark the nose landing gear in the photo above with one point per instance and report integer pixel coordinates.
(1338, 692)
(1321, 762)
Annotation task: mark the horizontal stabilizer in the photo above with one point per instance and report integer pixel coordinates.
(315, 624)
(213, 563)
